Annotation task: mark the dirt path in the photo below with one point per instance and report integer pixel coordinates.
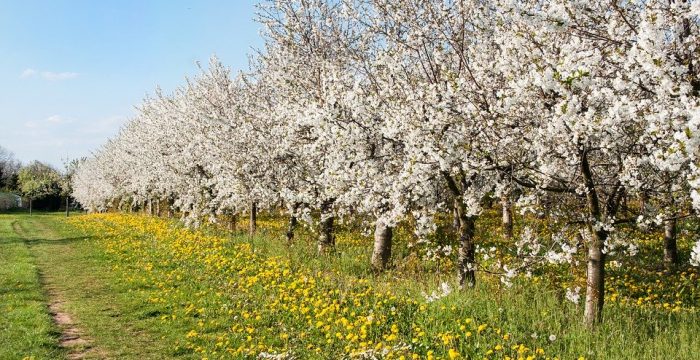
(72, 338)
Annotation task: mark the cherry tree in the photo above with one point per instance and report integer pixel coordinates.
(588, 115)
(387, 110)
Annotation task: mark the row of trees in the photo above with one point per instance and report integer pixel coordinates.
(9, 168)
(35, 180)
(585, 112)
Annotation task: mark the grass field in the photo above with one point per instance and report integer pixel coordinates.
(26, 328)
(136, 287)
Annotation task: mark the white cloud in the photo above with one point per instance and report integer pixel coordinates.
(51, 120)
(58, 119)
(48, 75)
(27, 73)
(52, 76)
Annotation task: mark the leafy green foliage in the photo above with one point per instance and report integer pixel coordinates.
(38, 179)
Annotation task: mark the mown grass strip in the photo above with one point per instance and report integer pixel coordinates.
(26, 329)
(116, 324)
(145, 288)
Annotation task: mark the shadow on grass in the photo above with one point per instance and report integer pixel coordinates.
(21, 290)
(25, 212)
(64, 241)
(32, 242)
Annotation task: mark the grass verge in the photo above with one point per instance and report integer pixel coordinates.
(26, 329)
(146, 288)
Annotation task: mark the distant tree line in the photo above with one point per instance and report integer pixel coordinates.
(9, 168)
(40, 185)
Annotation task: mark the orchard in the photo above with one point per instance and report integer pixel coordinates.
(396, 113)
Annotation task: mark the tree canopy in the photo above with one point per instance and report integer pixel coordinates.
(38, 179)
(392, 110)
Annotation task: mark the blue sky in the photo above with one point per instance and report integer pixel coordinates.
(72, 71)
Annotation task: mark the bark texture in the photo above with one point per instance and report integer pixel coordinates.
(595, 281)
(595, 265)
(670, 246)
(326, 239)
(383, 236)
(507, 217)
(291, 227)
(466, 265)
(455, 219)
(253, 218)
(170, 208)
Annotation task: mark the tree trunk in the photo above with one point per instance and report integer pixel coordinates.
(290, 229)
(455, 219)
(670, 246)
(466, 264)
(595, 267)
(507, 217)
(383, 236)
(67, 207)
(326, 239)
(643, 197)
(595, 280)
(30, 206)
(170, 203)
(253, 218)
(292, 223)
(158, 208)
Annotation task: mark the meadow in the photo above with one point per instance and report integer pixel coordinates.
(147, 287)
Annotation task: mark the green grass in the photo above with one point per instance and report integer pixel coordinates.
(144, 288)
(25, 325)
(74, 266)
(628, 331)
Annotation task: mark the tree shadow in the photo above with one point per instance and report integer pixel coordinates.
(63, 241)
(32, 242)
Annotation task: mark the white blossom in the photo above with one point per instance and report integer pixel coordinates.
(695, 254)
(573, 295)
